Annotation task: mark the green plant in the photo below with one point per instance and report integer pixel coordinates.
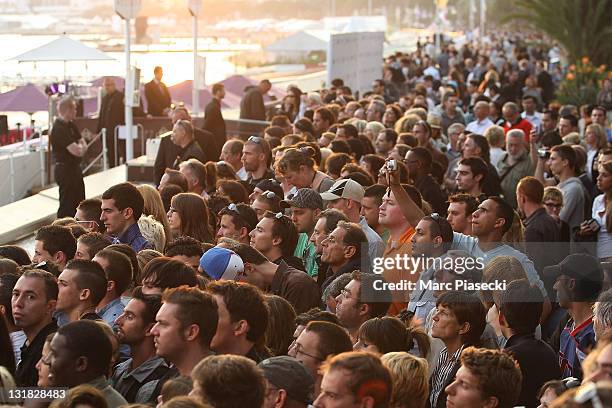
(582, 27)
(581, 83)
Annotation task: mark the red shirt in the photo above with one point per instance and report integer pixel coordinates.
(522, 124)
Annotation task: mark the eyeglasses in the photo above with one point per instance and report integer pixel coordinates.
(553, 205)
(298, 350)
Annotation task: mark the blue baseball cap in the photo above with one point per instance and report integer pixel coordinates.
(221, 264)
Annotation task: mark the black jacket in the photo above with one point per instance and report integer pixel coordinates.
(158, 98)
(538, 362)
(168, 152)
(112, 113)
(215, 124)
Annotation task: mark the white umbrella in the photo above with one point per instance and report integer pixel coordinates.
(63, 49)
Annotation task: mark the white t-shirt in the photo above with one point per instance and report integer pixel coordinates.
(604, 237)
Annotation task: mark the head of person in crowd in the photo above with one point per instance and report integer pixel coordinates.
(231, 153)
(182, 133)
(410, 379)
(347, 131)
(163, 273)
(355, 379)
(433, 236)
(459, 320)
(8, 279)
(188, 216)
(88, 214)
(419, 162)
(42, 367)
(370, 204)
(297, 166)
(79, 353)
(553, 201)
(492, 219)
(578, 279)
(552, 389)
(266, 201)
(335, 162)
(33, 301)
(306, 206)
(128, 251)
(82, 285)
(195, 173)
(266, 185)
(133, 326)
(390, 214)
(243, 318)
(598, 115)
(602, 315)
(234, 190)
(529, 194)
(318, 341)
(322, 120)
(460, 209)
(471, 174)
(175, 177)
(511, 112)
(375, 111)
(275, 236)
(476, 146)
(185, 325)
(422, 131)
(302, 320)
(281, 325)
(487, 378)
(345, 195)
(55, 244)
(354, 306)
(221, 262)
(173, 388)
(387, 334)
(229, 381)
(515, 143)
(185, 249)
(256, 155)
(343, 245)
(567, 124)
(520, 307)
(144, 257)
(595, 136)
(122, 206)
(562, 161)
(326, 223)
(118, 270)
(549, 120)
(288, 383)
(16, 253)
(236, 221)
(481, 110)
(385, 141)
(90, 244)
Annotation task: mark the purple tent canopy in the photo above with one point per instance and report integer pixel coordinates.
(181, 92)
(28, 98)
(237, 83)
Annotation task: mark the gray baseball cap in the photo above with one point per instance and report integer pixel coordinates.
(289, 374)
(304, 198)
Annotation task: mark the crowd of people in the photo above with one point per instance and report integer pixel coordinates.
(443, 240)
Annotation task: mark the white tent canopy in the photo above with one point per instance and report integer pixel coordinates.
(63, 49)
(302, 41)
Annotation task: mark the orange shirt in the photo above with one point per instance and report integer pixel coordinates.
(403, 248)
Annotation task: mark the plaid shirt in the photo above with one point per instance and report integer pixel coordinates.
(133, 238)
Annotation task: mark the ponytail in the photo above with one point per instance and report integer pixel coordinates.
(418, 335)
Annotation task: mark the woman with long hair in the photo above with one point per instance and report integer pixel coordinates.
(281, 325)
(154, 206)
(188, 215)
(478, 146)
(410, 379)
(595, 140)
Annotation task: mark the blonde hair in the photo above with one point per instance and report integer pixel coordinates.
(153, 231)
(495, 135)
(600, 134)
(154, 206)
(553, 193)
(409, 375)
(503, 267)
(375, 128)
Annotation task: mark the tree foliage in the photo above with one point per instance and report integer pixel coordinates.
(582, 27)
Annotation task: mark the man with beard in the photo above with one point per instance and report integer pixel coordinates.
(514, 165)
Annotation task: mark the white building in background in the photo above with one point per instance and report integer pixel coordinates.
(61, 7)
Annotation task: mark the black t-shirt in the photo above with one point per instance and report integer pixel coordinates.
(63, 135)
(27, 374)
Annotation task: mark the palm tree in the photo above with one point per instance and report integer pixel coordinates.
(582, 27)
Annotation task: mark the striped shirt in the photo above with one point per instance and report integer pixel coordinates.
(441, 373)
